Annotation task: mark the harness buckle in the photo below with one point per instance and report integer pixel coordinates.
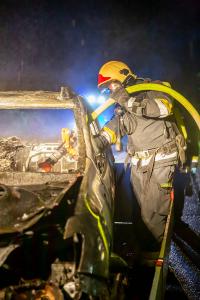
(146, 154)
(142, 154)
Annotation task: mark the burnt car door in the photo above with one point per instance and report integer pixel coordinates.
(91, 224)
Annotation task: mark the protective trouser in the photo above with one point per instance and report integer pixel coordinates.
(154, 201)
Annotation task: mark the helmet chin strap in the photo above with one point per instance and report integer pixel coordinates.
(130, 80)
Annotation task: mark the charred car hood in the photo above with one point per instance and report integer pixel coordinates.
(22, 204)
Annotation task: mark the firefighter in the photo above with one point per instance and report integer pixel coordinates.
(153, 146)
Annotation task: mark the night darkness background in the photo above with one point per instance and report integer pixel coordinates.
(46, 44)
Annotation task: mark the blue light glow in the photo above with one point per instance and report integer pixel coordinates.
(96, 100)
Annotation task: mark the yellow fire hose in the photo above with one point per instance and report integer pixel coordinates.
(154, 87)
(102, 107)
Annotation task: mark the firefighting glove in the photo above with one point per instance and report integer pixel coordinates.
(120, 96)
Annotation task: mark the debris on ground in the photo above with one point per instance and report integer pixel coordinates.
(8, 149)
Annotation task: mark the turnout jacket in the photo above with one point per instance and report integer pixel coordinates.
(145, 120)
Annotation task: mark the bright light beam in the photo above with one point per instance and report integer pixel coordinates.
(101, 99)
(91, 99)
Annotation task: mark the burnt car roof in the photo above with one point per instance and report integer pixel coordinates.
(36, 99)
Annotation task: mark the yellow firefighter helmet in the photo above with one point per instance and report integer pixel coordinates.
(114, 70)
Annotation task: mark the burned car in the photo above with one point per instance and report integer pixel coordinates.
(56, 198)
(64, 233)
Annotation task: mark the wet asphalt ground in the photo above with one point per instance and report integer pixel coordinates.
(183, 281)
(184, 259)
